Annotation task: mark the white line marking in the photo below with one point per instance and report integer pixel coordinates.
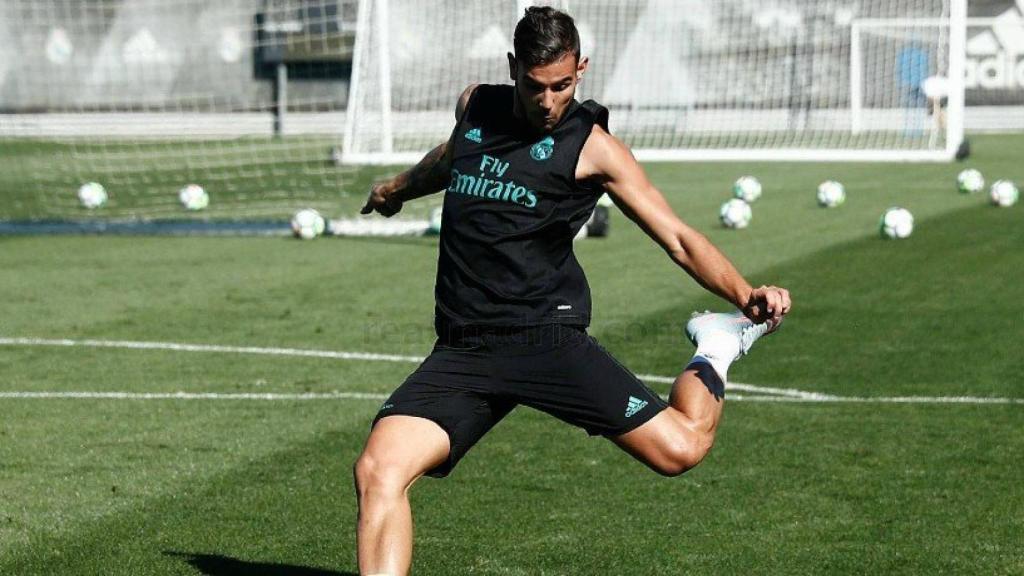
(788, 392)
(195, 395)
(767, 394)
(886, 399)
(209, 348)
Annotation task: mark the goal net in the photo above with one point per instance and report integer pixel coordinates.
(244, 98)
(684, 79)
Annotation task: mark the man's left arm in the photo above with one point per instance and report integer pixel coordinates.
(608, 161)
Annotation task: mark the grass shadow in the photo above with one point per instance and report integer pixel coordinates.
(876, 317)
(217, 565)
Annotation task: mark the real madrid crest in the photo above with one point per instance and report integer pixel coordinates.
(543, 150)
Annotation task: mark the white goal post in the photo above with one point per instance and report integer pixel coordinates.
(943, 104)
(684, 80)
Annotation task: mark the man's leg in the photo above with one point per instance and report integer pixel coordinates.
(399, 450)
(679, 437)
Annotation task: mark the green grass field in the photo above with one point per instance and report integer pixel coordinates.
(845, 482)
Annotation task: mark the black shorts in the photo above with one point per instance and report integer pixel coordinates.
(473, 378)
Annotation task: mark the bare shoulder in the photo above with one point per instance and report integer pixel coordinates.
(460, 107)
(602, 156)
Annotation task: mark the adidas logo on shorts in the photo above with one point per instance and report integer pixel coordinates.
(635, 405)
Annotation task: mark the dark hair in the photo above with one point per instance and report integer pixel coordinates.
(544, 35)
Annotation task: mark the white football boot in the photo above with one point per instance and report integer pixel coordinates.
(722, 338)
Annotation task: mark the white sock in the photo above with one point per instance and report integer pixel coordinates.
(718, 349)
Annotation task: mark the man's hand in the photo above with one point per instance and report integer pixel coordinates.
(382, 200)
(768, 303)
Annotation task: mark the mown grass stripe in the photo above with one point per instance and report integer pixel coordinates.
(340, 355)
(371, 396)
(765, 393)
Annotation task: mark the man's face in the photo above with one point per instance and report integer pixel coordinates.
(545, 91)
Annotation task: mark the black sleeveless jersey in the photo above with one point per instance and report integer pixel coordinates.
(511, 211)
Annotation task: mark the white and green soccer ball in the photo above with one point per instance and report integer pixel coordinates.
(970, 181)
(735, 214)
(831, 194)
(747, 188)
(92, 195)
(1003, 193)
(896, 223)
(308, 224)
(193, 197)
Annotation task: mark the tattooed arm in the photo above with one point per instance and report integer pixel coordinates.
(430, 175)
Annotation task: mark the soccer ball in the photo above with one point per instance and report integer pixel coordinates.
(1004, 193)
(970, 181)
(747, 188)
(896, 223)
(735, 214)
(434, 227)
(831, 194)
(308, 224)
(92, 195)
(193, 197)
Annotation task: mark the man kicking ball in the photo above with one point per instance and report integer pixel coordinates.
(522, 172)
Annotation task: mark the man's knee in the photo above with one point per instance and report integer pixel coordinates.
(400, 449)
(683, 454)
(379, 477)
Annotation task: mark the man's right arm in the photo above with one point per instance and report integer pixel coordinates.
(610, 162)
(430, 175)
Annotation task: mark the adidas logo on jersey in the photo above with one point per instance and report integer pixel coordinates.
(475, 135)
(634, 405)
